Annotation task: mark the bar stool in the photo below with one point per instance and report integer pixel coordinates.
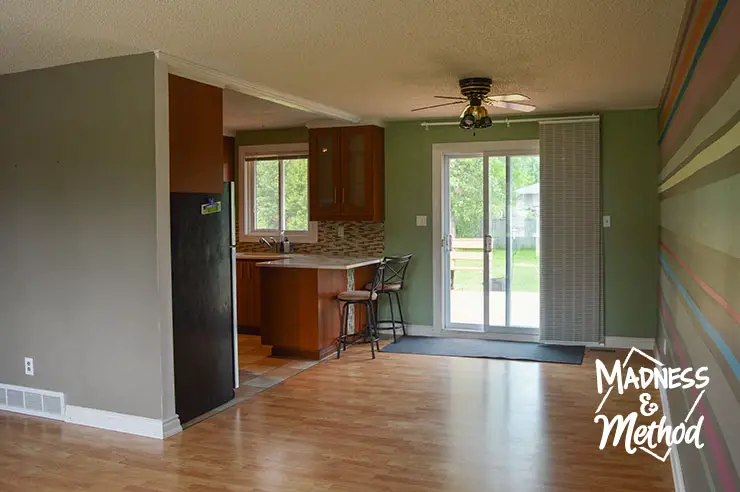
(392, 283)
(360, 297)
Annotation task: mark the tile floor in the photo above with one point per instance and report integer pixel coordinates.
(258, 370)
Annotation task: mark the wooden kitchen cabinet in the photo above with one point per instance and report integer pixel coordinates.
(346, 169)
(196, 136)
(248, 296)
(242, 293)
(254, 277)
(324, 164)
(229, 148)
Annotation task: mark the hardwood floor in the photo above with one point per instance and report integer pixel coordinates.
(398, 423)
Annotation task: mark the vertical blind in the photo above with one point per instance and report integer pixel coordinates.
(571, 278)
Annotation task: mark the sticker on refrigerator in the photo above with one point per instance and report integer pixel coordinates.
(212, 207)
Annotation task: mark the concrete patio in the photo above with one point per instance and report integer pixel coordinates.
(467, 307)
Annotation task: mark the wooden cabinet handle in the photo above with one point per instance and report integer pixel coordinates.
(335, 194)
(343, 196)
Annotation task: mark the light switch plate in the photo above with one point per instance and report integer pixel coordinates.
(421, 220)
(607, 221)
(340, 231)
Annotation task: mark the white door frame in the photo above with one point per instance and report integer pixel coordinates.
(503, 147)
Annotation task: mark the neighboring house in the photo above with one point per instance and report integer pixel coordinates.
(528, 197)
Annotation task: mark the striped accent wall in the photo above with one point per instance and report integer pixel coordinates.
(699, 255)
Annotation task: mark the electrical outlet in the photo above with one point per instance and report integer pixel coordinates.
(421, 220)
(29, 366)
(607, 221)
(340, 231)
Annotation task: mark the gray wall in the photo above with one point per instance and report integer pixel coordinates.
(79, 288)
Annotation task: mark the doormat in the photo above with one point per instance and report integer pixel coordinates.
(490, 349)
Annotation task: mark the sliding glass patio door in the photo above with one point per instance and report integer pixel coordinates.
(491, 242)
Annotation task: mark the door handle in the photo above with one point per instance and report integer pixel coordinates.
(447, 242)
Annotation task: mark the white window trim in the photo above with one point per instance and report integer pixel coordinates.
(245, 185)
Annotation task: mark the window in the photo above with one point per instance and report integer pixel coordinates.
(273, 186)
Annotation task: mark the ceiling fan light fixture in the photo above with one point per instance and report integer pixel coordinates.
(475, 91)
(468, 118)
(475, 116)
(485, 122)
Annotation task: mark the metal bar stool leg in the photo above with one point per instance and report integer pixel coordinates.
(341, 325)
(393, 318)
(340, 338)
(369, 326)
(376, 336)
(347, 306)
(400, 311)
(376, 305)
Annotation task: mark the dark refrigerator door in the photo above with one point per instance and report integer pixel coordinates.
(201, 305)
(230, 204)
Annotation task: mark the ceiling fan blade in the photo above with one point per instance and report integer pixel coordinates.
(509, 97)
(440, 105)
(515, 106)
(452, 97)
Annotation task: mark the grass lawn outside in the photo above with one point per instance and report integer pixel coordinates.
(525, 275)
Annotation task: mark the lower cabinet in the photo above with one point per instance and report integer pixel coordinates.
(248, 296)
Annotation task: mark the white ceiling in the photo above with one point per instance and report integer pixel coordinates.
(376, 59)
(243, 112)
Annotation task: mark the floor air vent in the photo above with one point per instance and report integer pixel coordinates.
(30, 401)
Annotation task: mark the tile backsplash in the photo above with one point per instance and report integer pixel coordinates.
(360, 239)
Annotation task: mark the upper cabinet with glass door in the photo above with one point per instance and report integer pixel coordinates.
(324, 163)
(347, 173)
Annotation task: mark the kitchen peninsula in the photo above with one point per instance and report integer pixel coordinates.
(299, 312)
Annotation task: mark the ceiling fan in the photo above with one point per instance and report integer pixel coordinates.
(475, 92)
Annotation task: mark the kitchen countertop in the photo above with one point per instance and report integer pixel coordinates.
(320, 262)
(261, 256)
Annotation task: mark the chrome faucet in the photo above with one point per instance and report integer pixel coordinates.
(271, 243)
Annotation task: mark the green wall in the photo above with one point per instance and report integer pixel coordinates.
(629, 160)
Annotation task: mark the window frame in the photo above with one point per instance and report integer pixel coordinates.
(245, 186)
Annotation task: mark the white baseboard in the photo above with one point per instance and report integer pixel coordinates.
(171, 426)
(610, 342)
(431, 331)
(119, 422)
(629, 342)
(423, 331)
(678, 482)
